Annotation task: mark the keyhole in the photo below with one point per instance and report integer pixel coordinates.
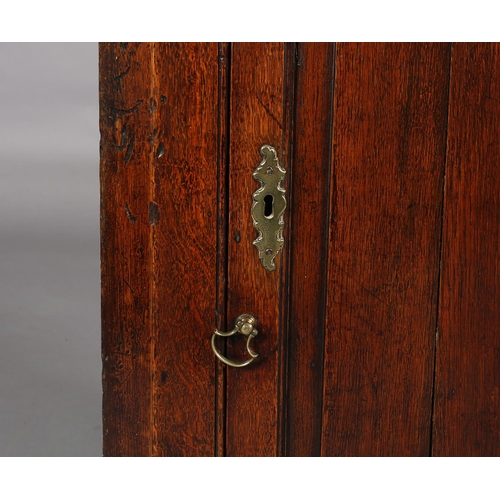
(268, 206)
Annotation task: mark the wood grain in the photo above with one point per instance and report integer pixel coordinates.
(222, 236)
(184, 104)
(387, 185)
(467, 401)
(159, 177)
(309, 207)
(126, 256)
(379, 197)
(257, 118)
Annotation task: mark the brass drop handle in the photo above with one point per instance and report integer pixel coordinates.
(245, 324)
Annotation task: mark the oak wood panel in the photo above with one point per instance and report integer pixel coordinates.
(467, 401)
(389, 141)
(126, 257)
(183, 215)
(310, 176)
(257, 118)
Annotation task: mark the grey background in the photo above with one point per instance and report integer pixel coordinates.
(50, 367)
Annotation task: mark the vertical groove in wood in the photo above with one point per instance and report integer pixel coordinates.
(222, 234)
(183, 215)
(443, 201)
(389, 142)
(309, 208)
(153, 311)
(289, 82)
(126, 255)
(467, 420)
(257, 114)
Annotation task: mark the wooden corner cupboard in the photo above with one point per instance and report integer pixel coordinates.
(379, 328)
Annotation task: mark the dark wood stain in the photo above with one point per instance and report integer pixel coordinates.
(222, 237)
(257, 97)
(387, 184)
(467, 401)
(126, 254)
(310, 172)
(184, 246)
(379, 329)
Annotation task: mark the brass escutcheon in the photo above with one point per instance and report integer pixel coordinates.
(268, 206)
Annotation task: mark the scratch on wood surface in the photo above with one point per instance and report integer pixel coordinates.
(130, 148)
(361, 285)
(127, 111)
(269, 111)
(129, 214)
(122, 74)
(123, 141)
(129, 287)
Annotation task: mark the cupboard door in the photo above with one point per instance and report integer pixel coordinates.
(259, 82)
(378, 329)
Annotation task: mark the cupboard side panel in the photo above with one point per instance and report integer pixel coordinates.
(183, 212)
(467, 401)
(389, 146)
(126, 257)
